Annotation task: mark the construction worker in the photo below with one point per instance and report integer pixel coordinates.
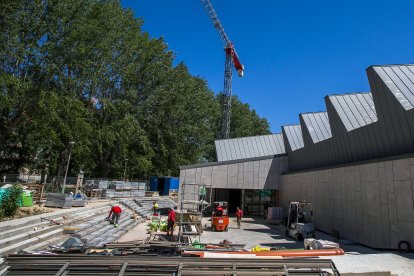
(239, 215)
(170, 222)
(154, 208)
(219, 211)
(116, 213)
(266, 209)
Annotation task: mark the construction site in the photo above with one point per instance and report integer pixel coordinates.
(330, 195)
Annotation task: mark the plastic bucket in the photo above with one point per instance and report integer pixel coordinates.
(27, 199)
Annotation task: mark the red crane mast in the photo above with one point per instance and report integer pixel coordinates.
(232, 59)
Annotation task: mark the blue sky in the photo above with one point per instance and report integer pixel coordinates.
(294, 52)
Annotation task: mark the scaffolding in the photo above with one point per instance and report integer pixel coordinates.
(192, 204)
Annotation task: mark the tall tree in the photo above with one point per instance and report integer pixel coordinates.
(84, 71)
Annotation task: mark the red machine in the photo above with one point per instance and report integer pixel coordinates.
(220, 219)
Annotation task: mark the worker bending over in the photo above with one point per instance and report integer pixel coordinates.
(116, 213)
(170, 221)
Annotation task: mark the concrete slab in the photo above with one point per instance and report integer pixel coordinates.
(366, 263)
(358, 258)
(139, 232)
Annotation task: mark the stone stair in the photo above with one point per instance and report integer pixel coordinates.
(33, 231)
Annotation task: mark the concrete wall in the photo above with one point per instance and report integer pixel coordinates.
(371, 203)
(256, 174)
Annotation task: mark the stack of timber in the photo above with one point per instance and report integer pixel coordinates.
(59, 200)
(95, 193)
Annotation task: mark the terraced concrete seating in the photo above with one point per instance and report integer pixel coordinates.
(144, 208)
(32, 231)
(132, 205)
(30, 221)
(98, 231)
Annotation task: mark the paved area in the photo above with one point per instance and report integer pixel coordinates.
(255, 231)
(138, 233)
(358, 259)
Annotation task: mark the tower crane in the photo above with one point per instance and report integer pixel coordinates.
(232, 59)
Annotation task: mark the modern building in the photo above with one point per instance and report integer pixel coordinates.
(354, 162)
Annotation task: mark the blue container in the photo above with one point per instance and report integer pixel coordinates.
(172, 183)
(163, 185)
(154, 184)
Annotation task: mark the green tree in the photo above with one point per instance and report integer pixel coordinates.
(84, 71)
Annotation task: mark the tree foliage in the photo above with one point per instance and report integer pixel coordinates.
(10, 201)
(84, 71)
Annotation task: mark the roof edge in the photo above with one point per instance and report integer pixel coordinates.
(253, 136)
(211, 164)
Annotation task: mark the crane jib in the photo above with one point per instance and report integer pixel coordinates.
(236, 62)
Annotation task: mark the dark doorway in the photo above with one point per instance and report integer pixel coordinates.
(234, 200)
(161, 182)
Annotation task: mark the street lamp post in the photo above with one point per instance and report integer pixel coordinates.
(67, 167)
(126, 160)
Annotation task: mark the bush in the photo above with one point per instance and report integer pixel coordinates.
(10, 202)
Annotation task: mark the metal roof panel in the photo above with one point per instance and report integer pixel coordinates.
(402, 92)
(294, 136)
(249, 147)
(355, 110)
(317, 124)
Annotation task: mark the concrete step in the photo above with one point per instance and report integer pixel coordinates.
(95, 225)
(45, 244)
(119, 234)
(30, 242)
(57, 215)
(112, 234)
(101, 229)
(28, 235)
(45, 224)
(33, 238)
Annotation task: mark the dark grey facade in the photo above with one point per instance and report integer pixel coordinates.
(358, 126)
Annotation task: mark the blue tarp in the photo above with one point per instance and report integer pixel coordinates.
(2, 194)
